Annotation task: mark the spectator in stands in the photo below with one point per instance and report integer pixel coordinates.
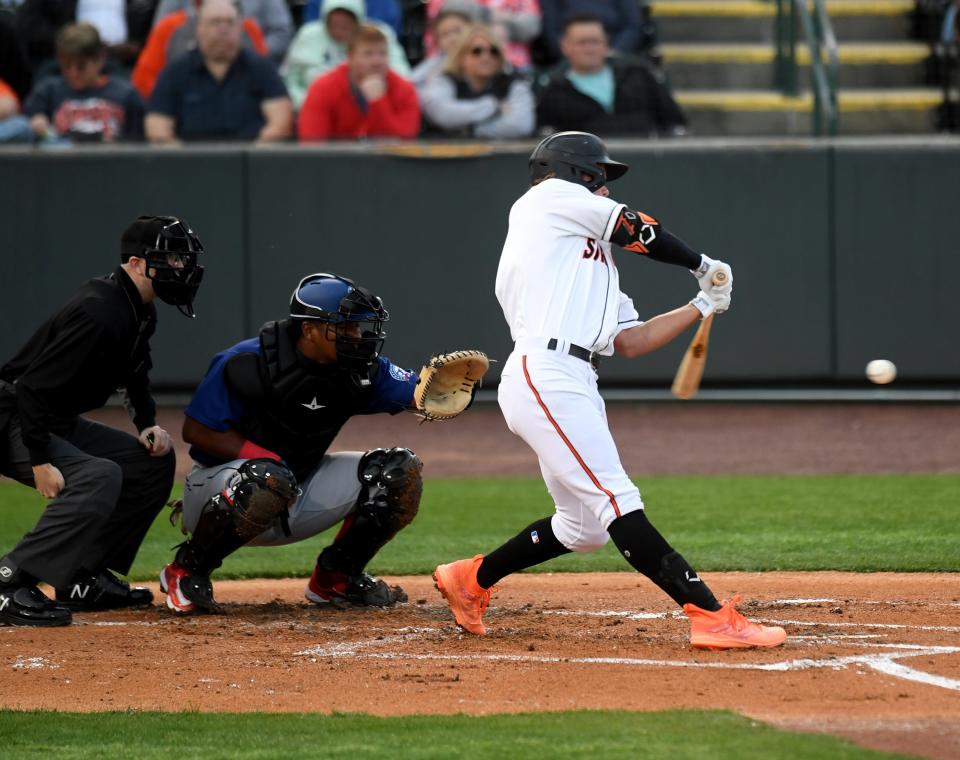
(387, 11)
(220, 91)
(272, 16)
(82, 104)
(446, 29)
(322, 45)
(478, 95)
(14, 126)
(14, 68)
(516, 24)
(607, 96)
(123, 26)
(361, 97)
(176, 34)
(620, 19)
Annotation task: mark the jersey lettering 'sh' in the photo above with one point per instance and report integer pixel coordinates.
(594, 251)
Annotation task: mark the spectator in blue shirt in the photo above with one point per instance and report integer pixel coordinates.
(220, 91)
(387, 11)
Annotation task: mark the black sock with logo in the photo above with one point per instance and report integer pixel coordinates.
(649, 553)
(531, 546)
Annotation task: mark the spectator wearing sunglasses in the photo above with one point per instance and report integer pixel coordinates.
(478, 94)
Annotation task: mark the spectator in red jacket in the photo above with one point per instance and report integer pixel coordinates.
(362, 97)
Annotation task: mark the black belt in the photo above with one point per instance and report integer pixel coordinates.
(578, 351)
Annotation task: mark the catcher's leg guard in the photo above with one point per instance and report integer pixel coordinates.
(388, 502)
(261, 490)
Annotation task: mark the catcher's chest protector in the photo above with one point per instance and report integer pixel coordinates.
(292, 411)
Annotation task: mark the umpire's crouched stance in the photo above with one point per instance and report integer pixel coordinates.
(105, 486)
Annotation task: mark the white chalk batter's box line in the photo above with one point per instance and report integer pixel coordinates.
(627, 615)
(881, 662)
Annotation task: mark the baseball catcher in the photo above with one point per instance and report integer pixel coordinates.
(260, 424)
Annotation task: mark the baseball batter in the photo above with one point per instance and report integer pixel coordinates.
(559, 289)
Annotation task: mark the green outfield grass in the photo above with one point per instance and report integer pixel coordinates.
(861, 523)
(674, 735)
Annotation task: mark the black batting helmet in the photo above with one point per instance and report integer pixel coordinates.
(569, 155)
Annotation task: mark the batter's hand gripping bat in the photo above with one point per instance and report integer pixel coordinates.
(686, 382)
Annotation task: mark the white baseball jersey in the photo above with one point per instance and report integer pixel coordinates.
(557, 277)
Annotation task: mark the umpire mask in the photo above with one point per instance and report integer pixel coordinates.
(170, 248)
(354, 313)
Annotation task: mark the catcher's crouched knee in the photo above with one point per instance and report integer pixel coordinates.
(394, 484)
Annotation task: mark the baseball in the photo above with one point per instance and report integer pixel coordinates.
(881, 371)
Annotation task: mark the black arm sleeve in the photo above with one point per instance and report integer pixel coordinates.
(641, 233)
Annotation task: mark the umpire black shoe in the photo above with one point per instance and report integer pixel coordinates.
(27, 605)
(103, 591)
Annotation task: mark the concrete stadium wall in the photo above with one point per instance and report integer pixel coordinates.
(843, 250)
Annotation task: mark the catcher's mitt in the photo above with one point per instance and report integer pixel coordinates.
(447, 384)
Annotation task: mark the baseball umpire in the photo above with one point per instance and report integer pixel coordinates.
(559, 289)
(260, 424)
(105, 486)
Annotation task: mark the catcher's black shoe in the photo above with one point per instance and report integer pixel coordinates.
(28, 605)
(103, 591)
(187, 593)
(342, 590)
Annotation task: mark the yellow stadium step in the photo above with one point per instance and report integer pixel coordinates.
(753, 20)
(702, 65)
(751, 112)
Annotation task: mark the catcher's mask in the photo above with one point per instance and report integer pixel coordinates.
(570, 155)
(170, 248)
(354, 314)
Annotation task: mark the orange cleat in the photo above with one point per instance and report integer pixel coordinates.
(458, 584)
(728, 629)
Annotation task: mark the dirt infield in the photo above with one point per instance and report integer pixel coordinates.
(875, 658)
(872, 657)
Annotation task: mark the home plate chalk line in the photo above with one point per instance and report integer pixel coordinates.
(884, 657)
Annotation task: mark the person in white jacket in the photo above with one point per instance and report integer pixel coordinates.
(478, 94)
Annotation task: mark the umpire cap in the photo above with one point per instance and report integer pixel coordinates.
(569, 155)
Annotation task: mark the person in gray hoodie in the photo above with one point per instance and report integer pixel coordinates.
(320, 46)
(478, 94)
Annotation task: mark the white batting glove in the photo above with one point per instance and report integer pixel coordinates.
(709, 303)
(705, 274)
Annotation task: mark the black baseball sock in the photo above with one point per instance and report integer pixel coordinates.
(531, 546)
(648, 552)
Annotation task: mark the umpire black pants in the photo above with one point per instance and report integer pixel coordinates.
(113, 491)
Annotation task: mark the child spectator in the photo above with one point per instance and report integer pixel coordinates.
(219, 91)
(83, 104)
(176, 34)
(361, 97)
(478, 96)
(322, 45)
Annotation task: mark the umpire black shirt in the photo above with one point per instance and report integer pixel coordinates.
(95, 345)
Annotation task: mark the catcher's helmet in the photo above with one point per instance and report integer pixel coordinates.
(338, 301)
(170, 248)
(569, 155)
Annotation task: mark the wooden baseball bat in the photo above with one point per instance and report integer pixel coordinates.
(686, 382)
